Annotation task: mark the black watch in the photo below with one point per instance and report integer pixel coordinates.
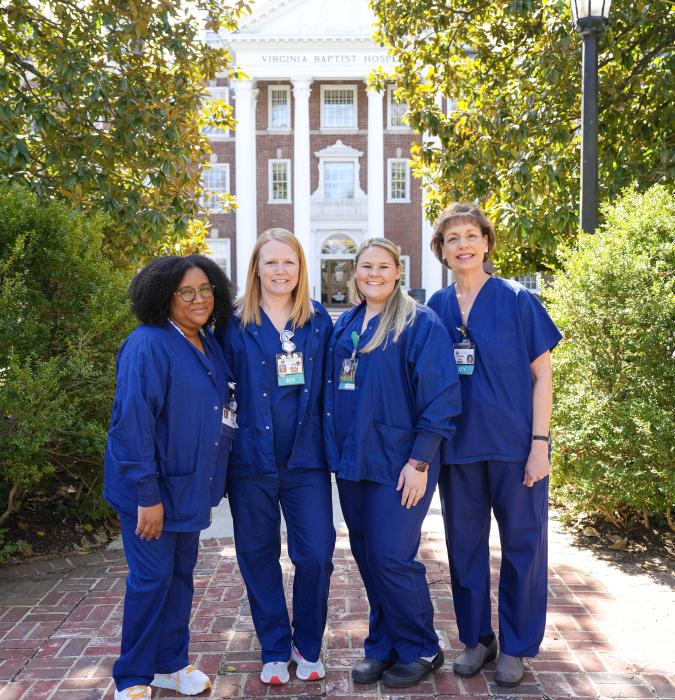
(545, 438)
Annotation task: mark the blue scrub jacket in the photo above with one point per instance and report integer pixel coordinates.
(167, 441)
(510, 329)
(407, 389)
(253, 449)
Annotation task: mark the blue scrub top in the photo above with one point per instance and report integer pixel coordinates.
(510, 329)
(265, 430)
(346, 401)
(167, 442)
(285, 399)
(403, 406)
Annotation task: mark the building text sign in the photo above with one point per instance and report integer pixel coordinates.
(314, 63)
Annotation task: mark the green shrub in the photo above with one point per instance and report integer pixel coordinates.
(63, 314)
(614, 372)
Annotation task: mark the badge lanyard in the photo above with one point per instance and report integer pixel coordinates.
(348, 367)
(465, 353)
(290, 365)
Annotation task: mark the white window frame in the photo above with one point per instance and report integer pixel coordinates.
(355, 174)
(340, 129)
(287, 90)
(205, 199)
(405, 264)
(521, 279)
(220, 252)
(270, 189)
(390, 163)
(390, 102)
(218, 93)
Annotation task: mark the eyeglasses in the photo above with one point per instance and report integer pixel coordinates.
(189, 294)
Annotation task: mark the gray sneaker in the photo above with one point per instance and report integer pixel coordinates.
(472, 659)
(509, 671)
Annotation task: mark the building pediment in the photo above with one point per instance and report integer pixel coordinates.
(310, 18)
(338, 150)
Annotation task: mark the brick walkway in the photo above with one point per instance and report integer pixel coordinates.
(60, 627)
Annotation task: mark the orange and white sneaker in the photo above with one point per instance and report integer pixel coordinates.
(275, 673)
(187, 681)
(135, 692)
(307, 670)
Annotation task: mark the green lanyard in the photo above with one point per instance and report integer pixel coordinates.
(355, 340)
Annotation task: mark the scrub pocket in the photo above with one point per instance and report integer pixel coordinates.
(497, 349)
(181, 496)
(395, 446)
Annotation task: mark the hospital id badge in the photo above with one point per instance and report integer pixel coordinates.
(290, 369)
(230, 411)
(348, 374)
(465, 356)
(230, 418)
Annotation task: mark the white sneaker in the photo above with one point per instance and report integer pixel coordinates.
(307, 670)
(135, 692)
(187, 681)
(275, 673)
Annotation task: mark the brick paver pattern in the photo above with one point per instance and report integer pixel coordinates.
(60, 629)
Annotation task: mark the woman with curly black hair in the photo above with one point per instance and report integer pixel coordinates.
(166, 462)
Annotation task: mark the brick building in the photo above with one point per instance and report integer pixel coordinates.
(315, 150)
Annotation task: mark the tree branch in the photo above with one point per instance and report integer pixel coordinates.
(10, 503)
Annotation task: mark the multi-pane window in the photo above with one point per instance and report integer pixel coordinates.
(217, 93)
(338, 180)
(279, 116)
(279, 180)
(216, 182)
(395, 110)
(398, 180)
(531, 281)
(338, 107)
(405, 271)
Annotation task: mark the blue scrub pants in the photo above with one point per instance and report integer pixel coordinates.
(468, 492)
(384, 538)
(305, 499)
(157, 604)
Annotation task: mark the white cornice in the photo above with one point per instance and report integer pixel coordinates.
(234, 39)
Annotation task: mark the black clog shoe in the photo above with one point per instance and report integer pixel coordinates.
(370, 670)
(407, 675)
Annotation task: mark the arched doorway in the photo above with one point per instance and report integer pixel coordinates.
(337, 267)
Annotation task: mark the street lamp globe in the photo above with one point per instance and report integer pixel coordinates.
(590, 15)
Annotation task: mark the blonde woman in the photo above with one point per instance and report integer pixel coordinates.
(390, 398)
(276, 347)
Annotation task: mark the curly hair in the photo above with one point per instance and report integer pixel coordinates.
(151, 290)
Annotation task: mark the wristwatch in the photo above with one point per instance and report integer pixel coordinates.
(545, 438)
(419, 465)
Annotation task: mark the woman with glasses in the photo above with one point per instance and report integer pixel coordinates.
(276, 346)
(166, 462)
(499, 458)
(390, 398)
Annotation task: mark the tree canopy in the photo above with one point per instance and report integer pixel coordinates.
(513, 68)
(101, 103)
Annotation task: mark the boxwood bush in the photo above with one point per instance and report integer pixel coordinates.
(63, 314)
(614, 372)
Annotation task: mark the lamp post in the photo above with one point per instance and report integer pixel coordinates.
(590, 18)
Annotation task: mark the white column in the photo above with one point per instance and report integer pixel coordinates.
(432, 270)
(301, 172)
(244, 153)
(375, 164)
